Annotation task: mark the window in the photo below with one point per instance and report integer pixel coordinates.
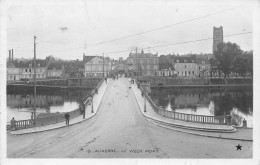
(25, 70)
(30, 70)
(185, 66)
(203, 62)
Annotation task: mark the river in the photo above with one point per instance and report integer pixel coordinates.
(237, 102)
(20, 103)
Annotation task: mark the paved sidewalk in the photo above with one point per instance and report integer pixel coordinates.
(96, 102)
(217, 131)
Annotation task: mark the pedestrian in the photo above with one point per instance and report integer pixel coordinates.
(83, 108)
(106, 80)
(67, 117)
(31, 121)
(13, 124)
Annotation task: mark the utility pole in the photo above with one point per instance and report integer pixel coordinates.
(103, 65)
(137, 63)
(34, 110)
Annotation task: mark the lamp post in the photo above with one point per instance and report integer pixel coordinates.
(92, 107)
(146, 89)
(90, 68)
(144, 101)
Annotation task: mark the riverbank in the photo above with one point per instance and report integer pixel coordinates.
(69, 83)
(42, 87)
(196, 82)
(203, 86)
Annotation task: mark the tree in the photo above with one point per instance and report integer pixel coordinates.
(164, 62)
(212, 62)
(239, 66)
(225, 55)
(249, 66)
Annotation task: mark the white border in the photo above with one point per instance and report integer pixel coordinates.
(256, 136)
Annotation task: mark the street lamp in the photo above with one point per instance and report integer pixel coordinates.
(144, 101)
(92, 107)
(91, 69)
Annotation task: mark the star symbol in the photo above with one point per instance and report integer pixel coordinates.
(239, 147)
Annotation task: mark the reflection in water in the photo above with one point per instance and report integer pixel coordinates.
(20, 103)
(237, 102)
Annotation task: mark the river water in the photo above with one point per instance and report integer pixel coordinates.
(237, 102)
(20, 103)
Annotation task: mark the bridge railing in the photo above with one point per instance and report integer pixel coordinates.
(221, 120)
(56, 118)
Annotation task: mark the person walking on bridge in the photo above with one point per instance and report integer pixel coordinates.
(13, 124)
(83, 109)
(67, 117)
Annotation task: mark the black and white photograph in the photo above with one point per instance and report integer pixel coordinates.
(129, 80)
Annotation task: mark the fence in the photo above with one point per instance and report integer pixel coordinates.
(222, 120)
(59, 117)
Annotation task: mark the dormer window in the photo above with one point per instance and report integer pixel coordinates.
(30, 65)
(177, 60)
(38, 65)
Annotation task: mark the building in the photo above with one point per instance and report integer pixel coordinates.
(26, 69)
(74, 68)
(142, 64)
(186, 66)
(120, 66)
(13, 73)
(56, 70)
(166, 67)
(166, 71)
(217, 37)
(203, 66)
(94, 67)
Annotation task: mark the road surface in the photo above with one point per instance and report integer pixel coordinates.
(119, 131)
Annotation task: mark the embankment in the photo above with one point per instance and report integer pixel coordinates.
(56, 83)
(171, 81)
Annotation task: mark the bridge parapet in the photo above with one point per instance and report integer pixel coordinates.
(221, 120)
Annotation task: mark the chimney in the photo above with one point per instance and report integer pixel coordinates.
(9, 55)
(12, 55)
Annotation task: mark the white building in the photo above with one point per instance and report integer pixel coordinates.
(27, 70)
(186, 67)
(94, 67)
(12, 71)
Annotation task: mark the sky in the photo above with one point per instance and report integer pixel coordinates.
(87, 22)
